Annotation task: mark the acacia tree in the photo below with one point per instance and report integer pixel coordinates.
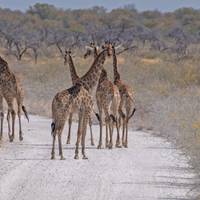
(34, 42)
(62, 38)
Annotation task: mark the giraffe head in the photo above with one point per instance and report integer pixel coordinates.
(108, 46)
(91, 49)
(67, 56)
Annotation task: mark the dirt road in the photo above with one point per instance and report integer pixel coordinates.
(149, 169)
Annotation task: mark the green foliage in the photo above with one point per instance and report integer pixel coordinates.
(44, 11)
(128, 17)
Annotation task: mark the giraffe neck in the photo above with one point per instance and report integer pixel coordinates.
(103, 76)
(116, 73)
(91, 78)
(3, 65)
(95, 53)
(73, 72)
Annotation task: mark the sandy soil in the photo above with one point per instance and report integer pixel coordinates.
(149, 169)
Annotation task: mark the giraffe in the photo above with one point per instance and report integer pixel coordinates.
(65, 102)
(75, 78)
(108, 100)
(76, 97)
(10, 90)
(127, 104)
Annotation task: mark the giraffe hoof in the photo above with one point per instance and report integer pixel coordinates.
(76, 157)
(21, 138)
(11, 139)
(92, 144)
(99, 146)
(68, 142)
(85, 157)
(118, 146)
(110, 146)
(52, 157)
(62, 158)
(125, 145)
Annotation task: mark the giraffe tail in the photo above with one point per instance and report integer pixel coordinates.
(113, 118)
(97, 116)
(25, 113)
(133, 112)
(122, 114)
(53, 125)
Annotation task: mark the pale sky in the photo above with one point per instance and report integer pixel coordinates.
(163, 5)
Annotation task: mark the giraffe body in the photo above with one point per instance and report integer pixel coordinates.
(64, 103)
(127, 103)
(10, 90)
(75, 79)
(108, 101)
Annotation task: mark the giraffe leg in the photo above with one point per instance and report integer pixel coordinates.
(128, 110)
(122, 119)
(108, 122)
(69, 126)
(78, 134)
(53, 146)
(126, 132)
(120, 122)
(2, 116)
(59, 134)
(101, 127)
(112, 127)
(85, 122)
(20, 123)
(118, 135)
(13, 114)
(91, 134)
(106, 141)
(8, 120)
(111, 136)
(123, 131)
(60, 145)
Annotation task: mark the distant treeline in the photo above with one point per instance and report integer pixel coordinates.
(44, 25)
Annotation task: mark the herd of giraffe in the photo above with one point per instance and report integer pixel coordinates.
(114, 99)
